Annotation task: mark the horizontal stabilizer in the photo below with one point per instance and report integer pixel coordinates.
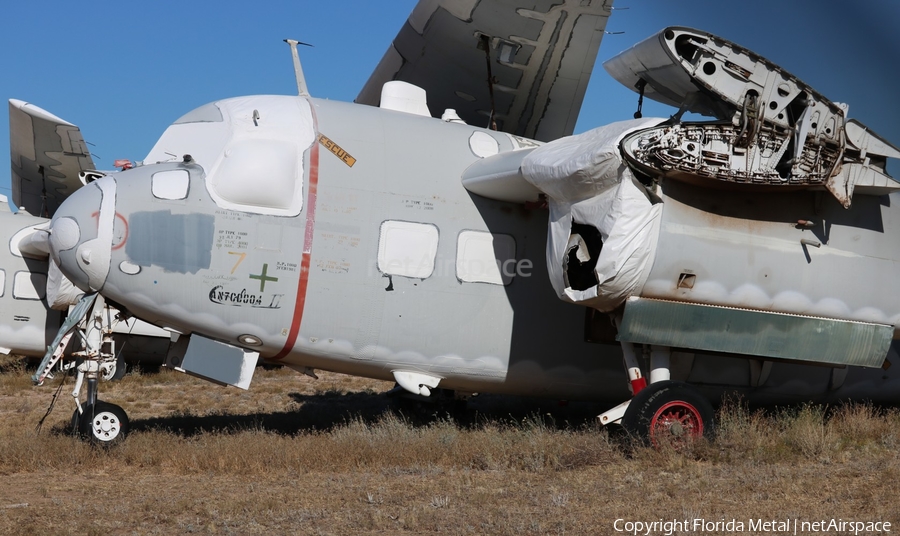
(46, 153)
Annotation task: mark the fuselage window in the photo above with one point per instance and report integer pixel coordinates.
(2, 283)
(407, 249)
(483, 257)
(171, 184)
(29, 286)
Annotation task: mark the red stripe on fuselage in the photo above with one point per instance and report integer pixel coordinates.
(300, 302)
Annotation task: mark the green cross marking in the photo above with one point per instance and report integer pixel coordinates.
(263, 278)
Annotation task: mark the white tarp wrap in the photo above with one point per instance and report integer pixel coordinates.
(586, 181)
(578, 167)
(61, 293)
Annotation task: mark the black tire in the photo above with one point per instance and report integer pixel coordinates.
(103, 423)
(74, 424)
(669, 412)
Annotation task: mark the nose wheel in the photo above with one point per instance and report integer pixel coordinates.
(101, 423)
(96, 421)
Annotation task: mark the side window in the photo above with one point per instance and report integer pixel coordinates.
(2, 283)
(483, 257)
(407, 249)
(172, 184)
(29, 286)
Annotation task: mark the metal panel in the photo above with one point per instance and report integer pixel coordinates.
(757, 333)
(212, 360)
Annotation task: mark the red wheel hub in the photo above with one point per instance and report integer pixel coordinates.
(676, 422)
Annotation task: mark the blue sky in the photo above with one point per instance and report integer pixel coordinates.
(123, 71)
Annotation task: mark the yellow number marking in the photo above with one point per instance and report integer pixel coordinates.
(239, 261)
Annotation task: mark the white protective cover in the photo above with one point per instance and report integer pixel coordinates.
(586, 179)
(61, 293)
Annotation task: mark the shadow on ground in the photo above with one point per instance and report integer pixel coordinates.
(329, 410)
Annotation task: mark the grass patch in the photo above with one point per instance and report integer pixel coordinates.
(294, 455)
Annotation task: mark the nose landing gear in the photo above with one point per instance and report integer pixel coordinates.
(96, 421)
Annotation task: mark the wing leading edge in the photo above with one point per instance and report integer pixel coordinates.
(541, 59)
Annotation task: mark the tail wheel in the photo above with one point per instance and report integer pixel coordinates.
(103, 423)
(669, 413)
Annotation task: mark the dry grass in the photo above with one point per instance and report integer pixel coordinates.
(295, 455)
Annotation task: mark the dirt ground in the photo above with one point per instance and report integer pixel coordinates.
(334, 456)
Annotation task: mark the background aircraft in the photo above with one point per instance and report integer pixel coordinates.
(647, 111)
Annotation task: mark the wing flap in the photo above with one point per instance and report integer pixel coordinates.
(541, 59)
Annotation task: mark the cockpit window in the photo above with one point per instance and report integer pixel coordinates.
(260, 165)
(171, 184)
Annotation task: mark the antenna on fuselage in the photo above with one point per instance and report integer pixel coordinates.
(298, 69)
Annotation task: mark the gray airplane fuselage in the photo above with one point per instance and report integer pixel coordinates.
(26, 323)
(367, 256)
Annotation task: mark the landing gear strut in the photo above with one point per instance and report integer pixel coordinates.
(96, 421)
(665, 412)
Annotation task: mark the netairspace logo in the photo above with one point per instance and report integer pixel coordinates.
(670, 527)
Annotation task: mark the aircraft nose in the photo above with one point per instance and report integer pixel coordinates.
(81, 234)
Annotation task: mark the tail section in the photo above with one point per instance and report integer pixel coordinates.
(46, 154)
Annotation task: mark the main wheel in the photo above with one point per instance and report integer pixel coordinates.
(669, 413)
(103, 423)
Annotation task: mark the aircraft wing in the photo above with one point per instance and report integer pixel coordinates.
(541, 54)
(46, 153)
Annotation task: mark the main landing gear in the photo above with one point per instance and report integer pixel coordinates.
(665, 412)
(95, 421)
(668, 412)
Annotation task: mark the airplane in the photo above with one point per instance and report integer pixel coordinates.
(452, 258)
(48, 156)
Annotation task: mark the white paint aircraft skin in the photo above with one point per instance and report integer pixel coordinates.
(311, 288)
(342, 237)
